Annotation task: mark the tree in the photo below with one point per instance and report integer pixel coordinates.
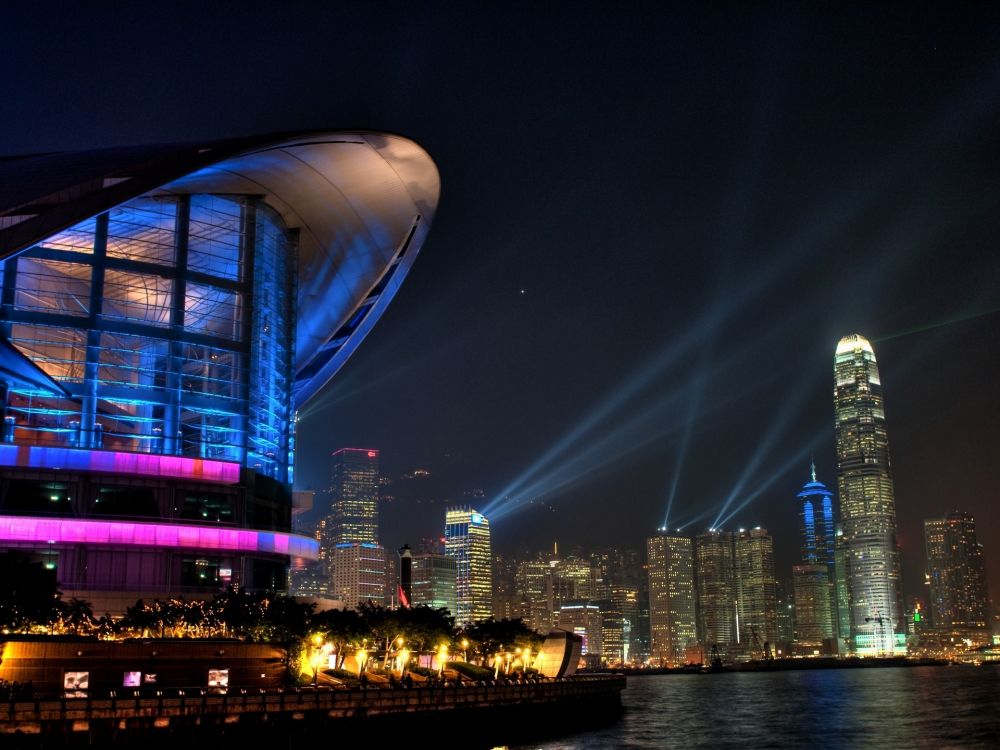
(286, 618)
(343, 629)
(491, 636)
(77, 614)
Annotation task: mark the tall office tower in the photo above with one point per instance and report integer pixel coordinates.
(818, 540)
(359, 573)
(814, 619)
(506, 603)
(467, 539)
(625, 603)
(534, 589)
(585, 619)
(671, 598)
(572, 579)
(841, 592)
(959, 597)
(784, 597)
(354, 497)
(816, 523)
(715, 586)
(867, 502)
(756, 608)
(434, 581)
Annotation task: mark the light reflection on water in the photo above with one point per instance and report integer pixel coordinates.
(943, 708)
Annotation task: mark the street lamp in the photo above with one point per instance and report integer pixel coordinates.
(442, 657)
(465, 649)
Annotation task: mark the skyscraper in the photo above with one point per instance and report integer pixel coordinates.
(755, 590)
(959, 598)
(867, 501)
(814, 618)
(359, 573)
(814, 579)
(534, 589)
(434, 581)
(671, 597)
(716, 588)
(816, 523)
(467, 539)
(354, 494)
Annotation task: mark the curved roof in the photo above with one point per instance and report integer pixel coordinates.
(362, 203)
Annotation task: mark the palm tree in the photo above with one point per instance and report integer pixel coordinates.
(76, 614)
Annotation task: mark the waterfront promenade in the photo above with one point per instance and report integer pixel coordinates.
(197, 715)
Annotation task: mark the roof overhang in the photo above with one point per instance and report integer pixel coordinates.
(362, 203)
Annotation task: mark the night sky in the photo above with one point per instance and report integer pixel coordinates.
(654, 227)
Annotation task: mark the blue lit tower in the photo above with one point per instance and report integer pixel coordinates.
(867, 499)
(814, 579)
(816, 522)
(166, 313)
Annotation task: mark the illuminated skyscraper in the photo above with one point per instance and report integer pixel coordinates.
(535, 591)
(359, 573)
(671, 597)
(354, 490)
(816, 522)
(467, 539)
(755, 590)
(867, 501)
(959, 598)
(715, 584)
(815, 620)
(625, 604)
(434, 581)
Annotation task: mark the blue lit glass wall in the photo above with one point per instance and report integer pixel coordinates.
(169, 321)
(816, 523)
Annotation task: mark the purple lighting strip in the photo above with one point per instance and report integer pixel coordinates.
(163, 535)
(118, 462)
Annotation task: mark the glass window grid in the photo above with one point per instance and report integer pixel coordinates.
(138, 379)
(52, 286)
(143, 230)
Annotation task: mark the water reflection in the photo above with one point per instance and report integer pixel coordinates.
(885, 708)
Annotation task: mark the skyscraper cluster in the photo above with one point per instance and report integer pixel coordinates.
(691, 596)
(718, 590)
(715, 590)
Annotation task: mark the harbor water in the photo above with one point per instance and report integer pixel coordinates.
(943, 707)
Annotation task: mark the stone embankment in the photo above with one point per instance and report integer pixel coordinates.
(309, 713)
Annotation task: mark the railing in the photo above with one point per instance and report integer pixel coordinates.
(328, 701)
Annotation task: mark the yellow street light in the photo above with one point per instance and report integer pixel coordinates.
(442, 657)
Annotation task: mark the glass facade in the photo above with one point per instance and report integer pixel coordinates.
(354, 489)
(169, 322)
(816, 621)
(956, 573)
(467, 539)
(671, 598)
(867, 499)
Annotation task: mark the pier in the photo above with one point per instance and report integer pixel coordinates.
(174, 717)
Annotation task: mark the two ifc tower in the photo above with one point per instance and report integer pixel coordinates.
(856, 560)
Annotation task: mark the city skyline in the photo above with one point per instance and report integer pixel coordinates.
(654, 227)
